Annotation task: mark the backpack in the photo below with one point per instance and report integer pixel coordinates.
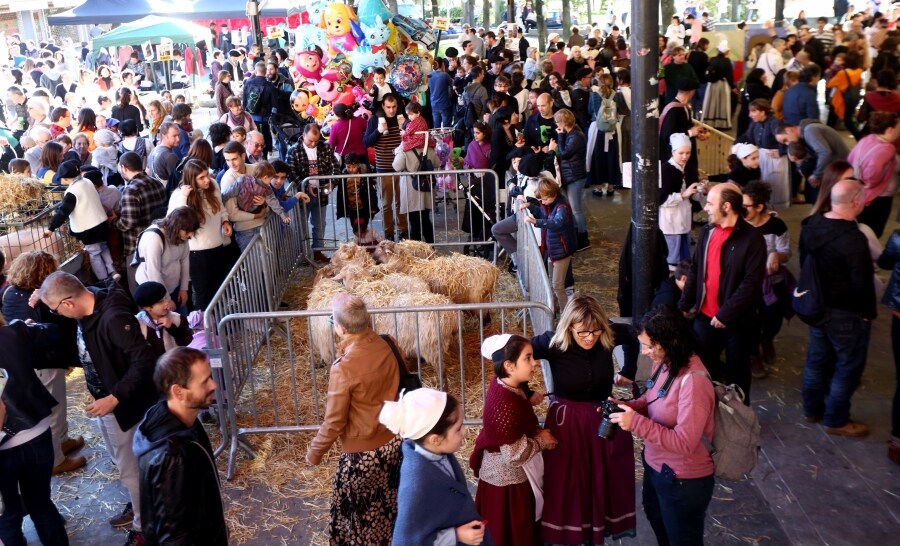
(137, 259)
(852, 96)
(735, 443)
(607, 117)
(174, 181)
(808, 301)
(423, 182)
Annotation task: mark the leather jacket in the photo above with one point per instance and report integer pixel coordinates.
(181, 503)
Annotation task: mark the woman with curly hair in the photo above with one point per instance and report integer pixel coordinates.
(678, 469)
(155, 117)
(26, 273)
(207, 247)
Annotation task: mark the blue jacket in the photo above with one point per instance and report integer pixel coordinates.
(558, 235)
(890, 259)
(428, 500)
(800, 103)
(572, 149)
(440, 84)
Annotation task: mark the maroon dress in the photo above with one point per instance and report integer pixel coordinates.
(508, 509)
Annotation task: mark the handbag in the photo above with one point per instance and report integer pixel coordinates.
(423, 182)
(339, 157)
(408, 381)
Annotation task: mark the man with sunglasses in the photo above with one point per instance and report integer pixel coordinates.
(118, 368)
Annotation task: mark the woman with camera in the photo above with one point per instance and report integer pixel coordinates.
(672, 417)
(585, 472)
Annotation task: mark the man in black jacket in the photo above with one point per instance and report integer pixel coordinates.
(258, 100)
(180, 498)
(724, 286)
(26, 446)
(837, 351)
(118, 368)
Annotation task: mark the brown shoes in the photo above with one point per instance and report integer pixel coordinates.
(813, 419)
(851, 429)
(72, 444)
(69, 464)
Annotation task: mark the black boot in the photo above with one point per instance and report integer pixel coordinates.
(583, 242)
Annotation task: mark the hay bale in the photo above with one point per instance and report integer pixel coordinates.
(21, 197)
(351, 253)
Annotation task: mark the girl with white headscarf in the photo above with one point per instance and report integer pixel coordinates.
(674, 200)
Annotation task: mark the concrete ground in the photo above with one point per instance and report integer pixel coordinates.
(808, 489)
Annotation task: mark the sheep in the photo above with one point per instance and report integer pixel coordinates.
(415, 249)
(351, 253)
(464, 279)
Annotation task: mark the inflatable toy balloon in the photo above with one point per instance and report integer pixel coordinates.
(442, 149)
(364, 59)
(342, 27)
(368, 10)
(406, 75)
(416, 31)
(310, 38)
(376, 35)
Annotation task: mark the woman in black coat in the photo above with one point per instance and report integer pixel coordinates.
(754, 88)
(125, 110)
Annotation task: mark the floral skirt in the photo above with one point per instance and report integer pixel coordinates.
(364, 498)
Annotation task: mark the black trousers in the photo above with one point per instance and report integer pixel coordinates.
(737, 340)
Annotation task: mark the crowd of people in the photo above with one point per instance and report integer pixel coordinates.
(163, 208)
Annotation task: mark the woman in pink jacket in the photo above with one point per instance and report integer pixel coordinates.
(874, 162)
(672, 416)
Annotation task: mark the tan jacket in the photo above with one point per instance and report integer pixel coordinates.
(360, 381)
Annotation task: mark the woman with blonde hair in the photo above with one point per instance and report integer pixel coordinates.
(155, 117)
(585, 472)
(207, 246)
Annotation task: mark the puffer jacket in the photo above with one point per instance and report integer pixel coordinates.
(180, 498)
(558, 228)
(572, 147)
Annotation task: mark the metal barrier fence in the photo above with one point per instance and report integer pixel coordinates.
(451, 192)
(278, 391)
(712, 154)
(17, 237)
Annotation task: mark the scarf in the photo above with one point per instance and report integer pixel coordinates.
(237, 121)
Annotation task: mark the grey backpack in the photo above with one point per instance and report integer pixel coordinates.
(735, 443)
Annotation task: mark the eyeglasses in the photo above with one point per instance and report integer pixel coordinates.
(584, 334)
(55, 310)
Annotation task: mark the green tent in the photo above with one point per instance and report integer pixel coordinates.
(151, 29)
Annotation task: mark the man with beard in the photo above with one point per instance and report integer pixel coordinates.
(180, 497)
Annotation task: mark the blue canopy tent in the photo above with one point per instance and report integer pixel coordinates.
(124, 11)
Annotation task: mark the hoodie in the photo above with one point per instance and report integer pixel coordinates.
(181, 503)
(50, 79)
(843, 262)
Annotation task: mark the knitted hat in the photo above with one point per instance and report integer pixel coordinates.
(451, 52)
(415, 413)
(105, 137)
(679, 140)
(149, 294)
(531, 165)
(742, 149)
(67, 169)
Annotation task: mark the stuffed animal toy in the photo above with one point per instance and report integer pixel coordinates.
(342, 27)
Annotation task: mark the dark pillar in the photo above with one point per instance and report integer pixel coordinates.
(253, 9)
(779, 13)
(645, 149)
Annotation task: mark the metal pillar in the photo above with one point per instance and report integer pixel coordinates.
(645, 149)
(253, 9)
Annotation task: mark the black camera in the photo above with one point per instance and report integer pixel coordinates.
(607, 429)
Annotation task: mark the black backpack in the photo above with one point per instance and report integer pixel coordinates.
(852, 97)
(137, 259)
(423, 182)
(808, 301)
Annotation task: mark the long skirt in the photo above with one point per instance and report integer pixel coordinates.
(776, 172)
(509, 511)
(588, 481)
(717, 105)
(364, 501)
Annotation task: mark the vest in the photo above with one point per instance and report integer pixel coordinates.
(88, 211)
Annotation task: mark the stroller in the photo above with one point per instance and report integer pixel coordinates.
(288, 130)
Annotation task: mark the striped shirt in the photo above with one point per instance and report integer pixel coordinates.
(384, 148)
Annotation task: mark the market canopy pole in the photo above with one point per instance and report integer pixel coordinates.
(644, 149)
(254, 7)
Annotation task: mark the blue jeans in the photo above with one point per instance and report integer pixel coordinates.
(573, 191)
(316, 215)
(676, 508)
(442, 117)
(834, 365)
(27, 469)
(243, 238)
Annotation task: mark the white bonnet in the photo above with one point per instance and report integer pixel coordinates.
(415, 413)
(723, 46)
(493, 344)
(679, 140)
(742, 149)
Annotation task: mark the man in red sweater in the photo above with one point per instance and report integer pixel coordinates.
(724, 286)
